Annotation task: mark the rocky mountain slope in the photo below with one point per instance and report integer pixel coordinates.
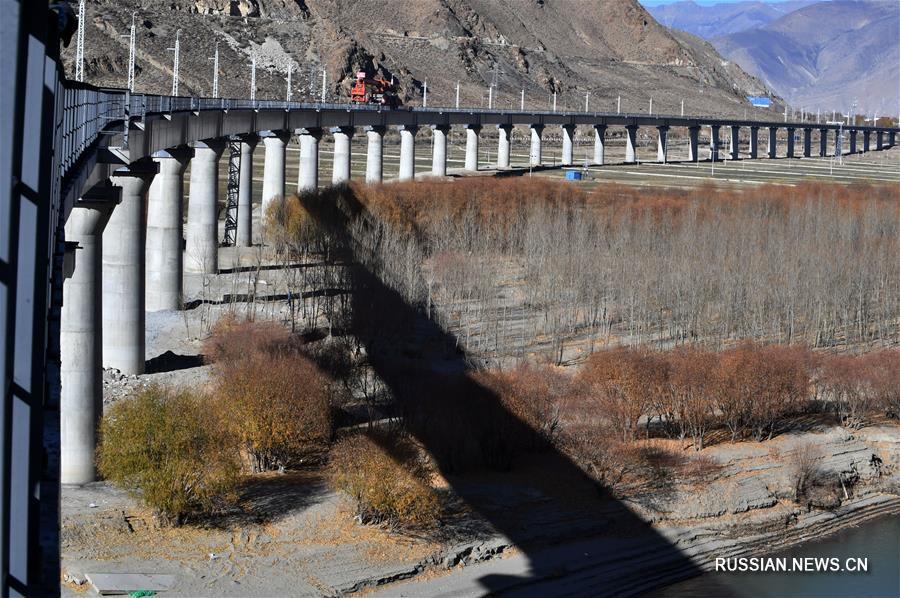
(571, 47)
(827, 55)
(709, 21)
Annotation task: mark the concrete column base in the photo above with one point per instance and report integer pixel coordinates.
(439, 150)
(81, 345)
(273, 187)
(807, 143)
(244, 236)
(124, 272)
(599, 144)
(165, 231)
(201, 253)
(662, 144)
(341, 170)
(534, 154)
(754, 143)
(374, 151)
(631, 144)
(568, 144)
(735, 143)
(714, 143)
(472, 133)
(790, 143)
(503, 145)
(408, 152)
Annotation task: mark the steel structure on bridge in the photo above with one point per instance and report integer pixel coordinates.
(77, 166)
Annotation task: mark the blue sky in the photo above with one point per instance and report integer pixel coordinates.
(704, 2)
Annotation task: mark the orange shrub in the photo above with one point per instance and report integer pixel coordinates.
(276, 407)
(388, 478)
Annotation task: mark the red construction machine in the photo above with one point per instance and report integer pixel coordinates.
(376, 91)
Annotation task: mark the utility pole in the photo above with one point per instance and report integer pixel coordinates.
(587, 99)
(682, 108)
(425, 95)
(79, 47)
(177, 50)
(253, 77)
(215, 92)
(554, 101)
(651, 107)
(324, 75)
(522, 101)
(619, 105)
(491, 96)
(457, 94)
(132, 47)
(818, 113)
(289, 94)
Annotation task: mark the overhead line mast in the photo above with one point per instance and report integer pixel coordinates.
(175, 66)
(79, 47)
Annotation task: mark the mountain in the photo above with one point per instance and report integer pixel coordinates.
(709, 21)
(571, 47)
(827, 55)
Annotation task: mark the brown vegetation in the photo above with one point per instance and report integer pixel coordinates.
(813, 264)
(387, 476)
(271, 398)
(165, 447)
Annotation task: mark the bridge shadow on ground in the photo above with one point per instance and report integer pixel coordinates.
(578, 539)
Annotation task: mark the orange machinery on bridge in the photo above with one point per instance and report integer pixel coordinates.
(376, 91)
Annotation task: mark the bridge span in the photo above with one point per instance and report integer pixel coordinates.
(92, 194)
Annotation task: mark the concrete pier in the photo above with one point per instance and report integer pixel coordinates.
(866, 140)
(735, 146)
(773, 143)
(408, 151)
(439, 150)
(823, 142)
(892, 138)
(879, 140)
(274, 167)
(694, 144)
(715, 142)
(340, 172)
(568, 144)
(631, 144)
(599, 144)
(852, 134)
(503, 139)
(244, 237)
(472, 133)
(374, 151)
(807, 142)
(790, 142)
(81, 345)
(754, 143)
(201, 252)
(662, 144)
(165, 231)
(124, 273)
(308, 174)
(534, 154)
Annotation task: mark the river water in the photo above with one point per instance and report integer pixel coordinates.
(877, 540)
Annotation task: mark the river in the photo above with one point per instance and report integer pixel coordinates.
(878, 541)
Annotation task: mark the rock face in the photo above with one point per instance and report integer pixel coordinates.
(570, 47)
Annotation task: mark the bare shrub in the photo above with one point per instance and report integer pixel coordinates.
(606, 460)
(622, 381)
(388, 478)
(804, 468)
(233, 339)
(277, 407)
(691, 396)
(845, 384)
(166, 447)
(883, 370)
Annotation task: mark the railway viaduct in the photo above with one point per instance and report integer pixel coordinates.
(91, 233)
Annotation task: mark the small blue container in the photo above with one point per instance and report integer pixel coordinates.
(573, 175)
